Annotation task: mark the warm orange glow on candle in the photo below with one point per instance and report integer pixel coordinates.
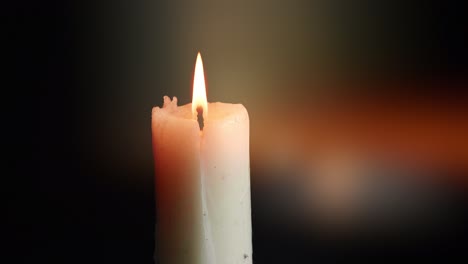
(199, 89)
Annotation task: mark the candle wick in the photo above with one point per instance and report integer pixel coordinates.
(200, 117)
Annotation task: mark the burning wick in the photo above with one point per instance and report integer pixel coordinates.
(200, 117)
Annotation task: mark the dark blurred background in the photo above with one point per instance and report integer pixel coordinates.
(373, 94)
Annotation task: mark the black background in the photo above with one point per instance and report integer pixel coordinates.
(72, 204)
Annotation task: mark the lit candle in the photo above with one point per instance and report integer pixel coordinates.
(202, 180)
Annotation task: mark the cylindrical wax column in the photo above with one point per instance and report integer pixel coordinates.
(202, 185)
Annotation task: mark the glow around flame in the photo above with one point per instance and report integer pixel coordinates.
(199, 89)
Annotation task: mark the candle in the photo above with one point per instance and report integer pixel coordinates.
(202, 180)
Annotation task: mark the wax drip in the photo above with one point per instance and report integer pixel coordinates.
(200, 117)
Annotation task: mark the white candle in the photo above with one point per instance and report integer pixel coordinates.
(202, 181)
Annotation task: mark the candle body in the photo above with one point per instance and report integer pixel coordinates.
(202, 185)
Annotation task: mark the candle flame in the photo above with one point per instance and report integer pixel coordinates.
(199, 89)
